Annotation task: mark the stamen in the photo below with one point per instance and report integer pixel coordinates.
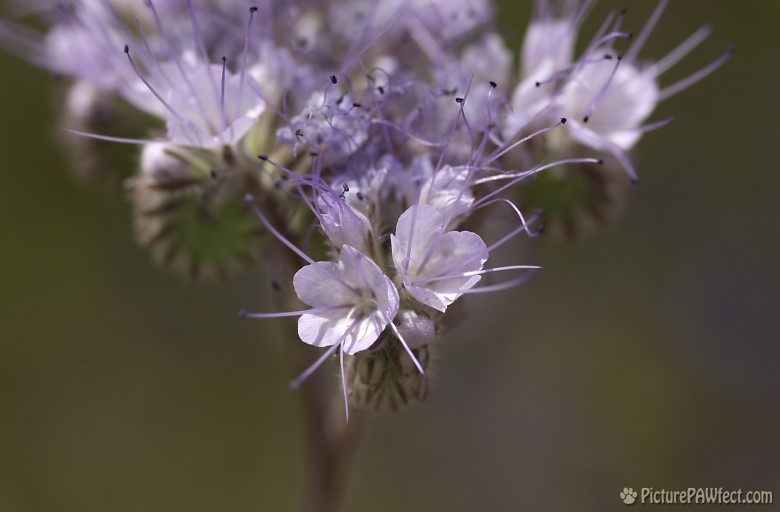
(654, 126)
(646, 31)
(174, 55)
(242, 78)
(344, 384)
(150, 86)
(283, 314)
(121, 140)
(250, 200)
(406, 347)
(594, 101)
(200, 43)
(296, 383)
(511, 283)
(540, 168)
(679, 53)
(695, 77)
(223, 118)
(502, 152)
(443, 276)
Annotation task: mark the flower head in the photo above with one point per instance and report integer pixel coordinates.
(373, 139)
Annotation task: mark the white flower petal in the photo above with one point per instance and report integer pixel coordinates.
(199, 119)
(448, 191)
(316, 285)
(364, 334)
(418, 225)
(551, 41)
(323, 329)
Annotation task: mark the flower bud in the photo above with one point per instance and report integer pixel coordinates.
(191, 218)
(578, 201)
(386, 378)
(417, 329)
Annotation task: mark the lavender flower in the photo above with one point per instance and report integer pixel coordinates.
(607, 94)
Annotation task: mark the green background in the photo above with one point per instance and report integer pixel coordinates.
(646, 356)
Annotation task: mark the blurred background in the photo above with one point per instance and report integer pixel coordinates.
(646, 356)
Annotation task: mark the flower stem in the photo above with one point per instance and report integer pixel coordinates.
(331, 441)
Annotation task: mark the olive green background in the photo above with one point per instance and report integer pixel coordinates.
(646, 356)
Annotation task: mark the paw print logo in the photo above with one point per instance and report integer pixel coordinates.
(628, 495)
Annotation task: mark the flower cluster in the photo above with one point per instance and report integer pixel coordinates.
(371, 138)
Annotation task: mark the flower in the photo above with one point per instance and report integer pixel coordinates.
(606, 94)
(352, 301)
(436, 266)
(204, 104)
(344, 225)
(384, 131)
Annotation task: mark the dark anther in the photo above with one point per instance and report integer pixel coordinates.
(541, 230)
(620, 55)
(563, 120)
(127, 49)
(224, 59)
(624, 10)
(314, 154)
(537, 84)
(600, 162)
(253, 9)
(608, 56)
(299, 132)
(276, 286)
(380, 89)
(585, 119)
(630, 35)
(493, 84)
(458, 100)
(357, 105)
(214, 173)
(339, 100)
(345, 187)
(360, 196)
(262, 157)
(333, 79)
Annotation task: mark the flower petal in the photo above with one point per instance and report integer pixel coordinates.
(317, 285)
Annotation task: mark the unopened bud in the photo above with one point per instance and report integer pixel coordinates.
(386, 378)
(417, 329)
